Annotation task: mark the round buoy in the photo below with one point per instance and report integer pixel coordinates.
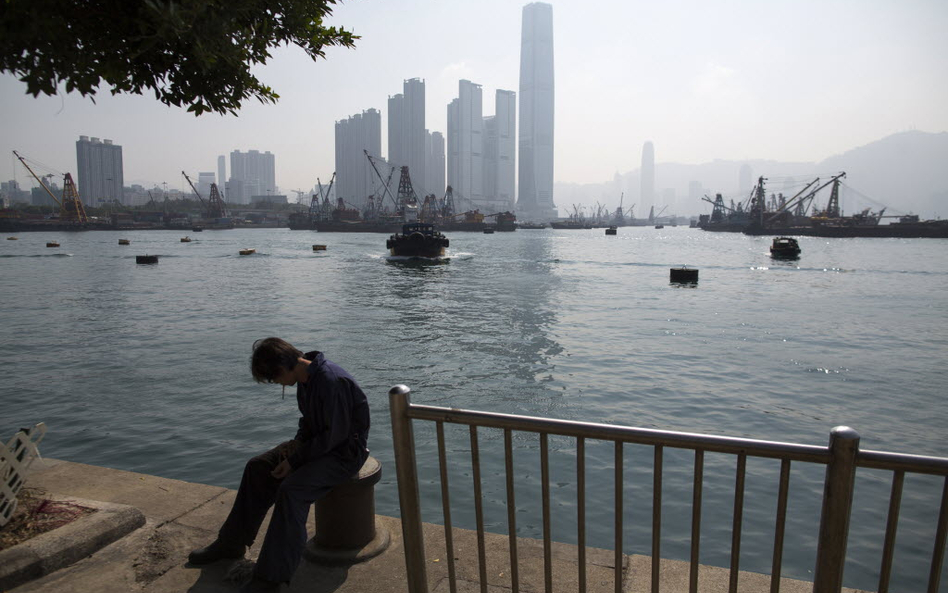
(684, 275)
(146, 259)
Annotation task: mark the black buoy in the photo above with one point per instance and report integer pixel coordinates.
(146, 259)
(684, 275)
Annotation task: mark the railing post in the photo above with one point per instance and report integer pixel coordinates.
(837, 506)
(406, 472)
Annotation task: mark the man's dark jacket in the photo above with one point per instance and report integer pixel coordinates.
(335, 415)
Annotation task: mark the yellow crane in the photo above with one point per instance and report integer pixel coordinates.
(70, 207)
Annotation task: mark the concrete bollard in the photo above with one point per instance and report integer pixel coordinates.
(346, 531)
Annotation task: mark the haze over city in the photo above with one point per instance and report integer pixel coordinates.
(784, 81)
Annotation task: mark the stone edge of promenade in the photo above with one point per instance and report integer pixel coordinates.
(156, 521)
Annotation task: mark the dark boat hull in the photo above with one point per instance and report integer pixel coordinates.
(357, 227)
(903, 231)
(417, 251)
(417, 240)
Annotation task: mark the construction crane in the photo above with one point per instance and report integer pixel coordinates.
(384, 182)
(70, 207)
(214, 207)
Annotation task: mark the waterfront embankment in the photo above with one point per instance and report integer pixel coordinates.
(180, 516)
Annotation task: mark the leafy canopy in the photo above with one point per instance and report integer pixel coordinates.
(189, 52)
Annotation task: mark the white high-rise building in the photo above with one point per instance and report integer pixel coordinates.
(355, 178)
(434, 164)
(535, 195)
(204, 184)
(252, 173)
(647, 192)
(100, 172)
(406, 132)
(221, 175)
(745, 180)
(466, 147)
(500, 153)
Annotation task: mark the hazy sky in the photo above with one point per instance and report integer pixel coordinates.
(794, 80)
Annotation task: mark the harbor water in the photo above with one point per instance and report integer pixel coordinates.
(145, 367)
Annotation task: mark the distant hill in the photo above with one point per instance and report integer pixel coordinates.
(905, 172)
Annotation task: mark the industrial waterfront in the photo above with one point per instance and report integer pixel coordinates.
(144, 367)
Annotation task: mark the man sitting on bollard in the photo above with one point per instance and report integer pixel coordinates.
(328, 449)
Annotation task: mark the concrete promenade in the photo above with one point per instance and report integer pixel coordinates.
(176, 517)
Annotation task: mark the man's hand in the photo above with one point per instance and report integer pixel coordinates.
(283, 470)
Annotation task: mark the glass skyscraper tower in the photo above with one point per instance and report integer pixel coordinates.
(535, 183)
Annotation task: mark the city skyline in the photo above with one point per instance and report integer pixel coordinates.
(702, 83)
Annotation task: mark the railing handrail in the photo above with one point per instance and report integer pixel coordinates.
(921, 464)
(625, 434)
(841, 457)
(683, 440)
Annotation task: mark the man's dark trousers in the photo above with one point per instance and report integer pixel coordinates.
(292, 496)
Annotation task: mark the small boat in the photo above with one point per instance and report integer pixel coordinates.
(785, 248)
(488, 230)
(146, 259)
(52, 244)
(319, 248)
(417, 240)
(12, 238)
(247, 251)
(684, 275)
(612, 230)
(124, 242)
(185, 239)
(197, 229)
(531, 225)
(659, 226)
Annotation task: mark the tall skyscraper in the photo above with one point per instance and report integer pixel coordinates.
(205, 179)
(406, 131)
(100, 172)
(535, 199)
(500, 153)
(435, 163)
(355, 178)
(466, 146)
(221, 176)
(647, 194)
(505, 119)
(745, 180)
(251, 174)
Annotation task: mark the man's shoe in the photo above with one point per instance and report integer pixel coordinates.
(217, 550)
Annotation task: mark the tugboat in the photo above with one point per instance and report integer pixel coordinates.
(785, 248)
(417, 240)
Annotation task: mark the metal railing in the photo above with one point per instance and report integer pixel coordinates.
(841, 458)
